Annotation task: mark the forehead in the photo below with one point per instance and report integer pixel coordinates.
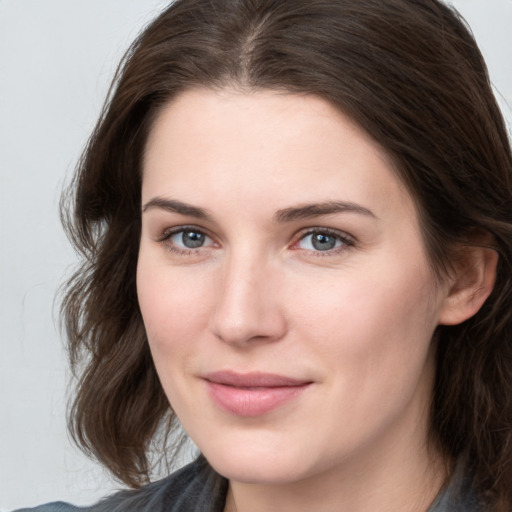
(267, 145)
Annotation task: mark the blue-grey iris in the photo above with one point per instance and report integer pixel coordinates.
(192, 239)
(323, 242)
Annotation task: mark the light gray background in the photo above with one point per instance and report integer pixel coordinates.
(56, 60)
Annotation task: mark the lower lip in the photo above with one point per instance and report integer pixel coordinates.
(252, 402)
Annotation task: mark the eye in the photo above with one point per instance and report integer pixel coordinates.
(186, 239)
(323, 241)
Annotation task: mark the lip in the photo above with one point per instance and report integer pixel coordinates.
(252, 394)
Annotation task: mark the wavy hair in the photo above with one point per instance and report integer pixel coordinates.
(411, 75)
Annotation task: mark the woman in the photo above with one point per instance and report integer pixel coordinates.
(296, 223)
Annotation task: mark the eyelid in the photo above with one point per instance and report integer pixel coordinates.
(346, 239)
(167, 234)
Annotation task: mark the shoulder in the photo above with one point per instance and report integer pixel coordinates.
(58, 506)
(457, 496)
(194, 488)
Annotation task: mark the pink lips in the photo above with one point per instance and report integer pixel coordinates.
(252, 394)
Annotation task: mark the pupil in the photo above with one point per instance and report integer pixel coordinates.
(192, 239)
(323, 242)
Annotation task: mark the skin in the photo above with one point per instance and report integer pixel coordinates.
(356, 321)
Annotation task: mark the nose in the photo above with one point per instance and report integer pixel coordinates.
(248, 310)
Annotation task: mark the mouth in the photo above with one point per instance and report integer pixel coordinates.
(252, 394)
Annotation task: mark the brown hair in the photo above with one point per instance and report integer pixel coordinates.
(407, 71)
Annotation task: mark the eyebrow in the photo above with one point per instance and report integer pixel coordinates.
(294, 213)
(172, 205)
(308, 211)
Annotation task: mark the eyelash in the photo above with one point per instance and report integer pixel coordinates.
(346, 240)
(169, 233)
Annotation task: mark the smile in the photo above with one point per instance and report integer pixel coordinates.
(252, 394)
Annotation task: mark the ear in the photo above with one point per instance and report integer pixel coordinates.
(470, 284)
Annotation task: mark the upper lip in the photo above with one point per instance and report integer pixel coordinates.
(253, 379)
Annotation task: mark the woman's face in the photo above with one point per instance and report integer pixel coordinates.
(284, 286)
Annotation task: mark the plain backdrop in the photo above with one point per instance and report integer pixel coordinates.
(57, 58)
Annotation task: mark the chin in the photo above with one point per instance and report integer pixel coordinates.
(249, 471)
(259, 463)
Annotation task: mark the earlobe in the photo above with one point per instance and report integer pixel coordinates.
(470, 285)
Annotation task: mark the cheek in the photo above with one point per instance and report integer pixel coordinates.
(174, 310)
(371, 326)
(373, 341)
(173, 305)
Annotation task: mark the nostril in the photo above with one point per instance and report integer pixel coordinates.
(252, 326)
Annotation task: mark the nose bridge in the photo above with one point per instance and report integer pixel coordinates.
(246, 303)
